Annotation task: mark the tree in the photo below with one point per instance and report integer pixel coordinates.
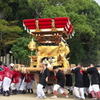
(5, 9)
(93, 51)
(20, 49)
(8, 35)
(52, 12)
(37, 7)
(84, 15)
(93, 19)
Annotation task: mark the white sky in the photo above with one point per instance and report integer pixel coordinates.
(98, 1)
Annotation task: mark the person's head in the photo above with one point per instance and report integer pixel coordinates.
(44, 66)
(91, 65)
(72, 65)
(12, 65)
(79, 65)
(55, 68)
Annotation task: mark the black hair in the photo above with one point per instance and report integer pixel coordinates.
(55, 67)
(46, 65)
(44, 58)
(80, 64)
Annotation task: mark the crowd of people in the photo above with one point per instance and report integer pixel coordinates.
(13, 82)
(79, 81)
(86, 82)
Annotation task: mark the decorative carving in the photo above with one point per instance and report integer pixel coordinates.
(37, 26)
(48, 39)
(53, 26)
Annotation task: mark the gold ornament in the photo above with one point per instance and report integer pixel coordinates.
(32, 45)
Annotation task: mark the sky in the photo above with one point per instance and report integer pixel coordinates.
(98, 1)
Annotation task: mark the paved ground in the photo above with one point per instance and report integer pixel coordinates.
(30, 97)
(33, 97)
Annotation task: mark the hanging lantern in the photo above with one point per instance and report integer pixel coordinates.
(32, 45)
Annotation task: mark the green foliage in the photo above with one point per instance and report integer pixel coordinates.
(94, 45)
(77, 5)
(80, 24)
(54, 11)
(5, 9)
(8, 34)
(84, 15)
(37, 7)
(86, 29)
(20, 49)
(93, 12)
(77, 51)
(96, 25)
(57, 2)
